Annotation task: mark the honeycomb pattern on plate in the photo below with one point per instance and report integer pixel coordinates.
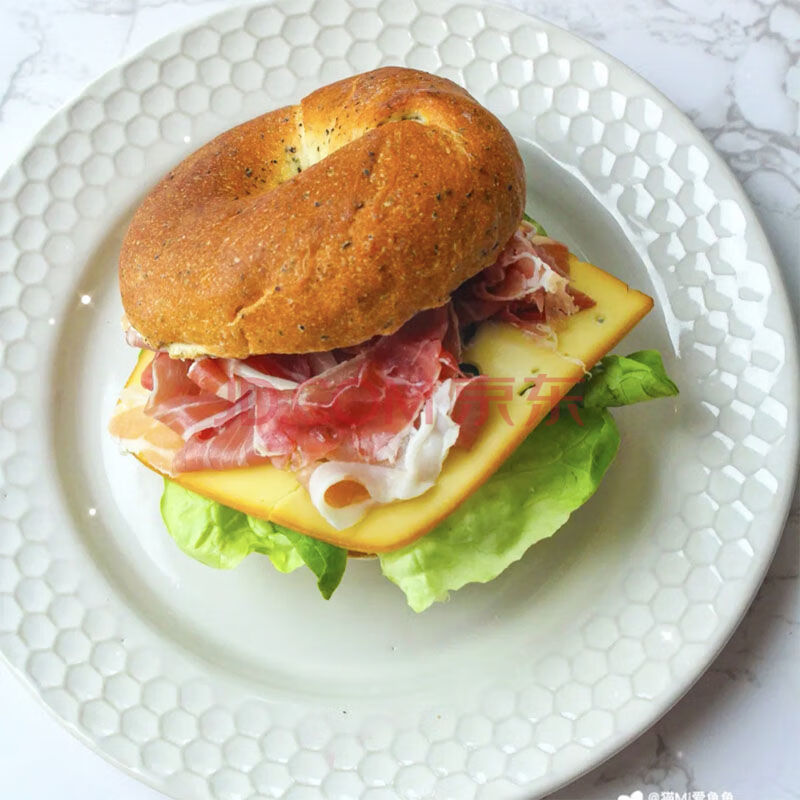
(135, 699)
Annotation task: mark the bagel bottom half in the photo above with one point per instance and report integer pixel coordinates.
(499, 351)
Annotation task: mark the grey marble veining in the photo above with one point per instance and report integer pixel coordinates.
(734, 67)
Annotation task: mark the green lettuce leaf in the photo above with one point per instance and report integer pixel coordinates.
(536, 226)
(325, 560)
(623, 380)
(221, 537)
(553, 472)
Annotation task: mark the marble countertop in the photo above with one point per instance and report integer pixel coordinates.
(734, 67)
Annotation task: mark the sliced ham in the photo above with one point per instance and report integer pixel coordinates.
(179, 402)
(352, 408)
(231, 445)
(387, 383)
(288, 436)
(527, 286)
(133, 337)
(211, 375)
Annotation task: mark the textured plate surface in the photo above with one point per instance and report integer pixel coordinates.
(246, 684)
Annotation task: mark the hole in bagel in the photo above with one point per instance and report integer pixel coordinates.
(346, 493)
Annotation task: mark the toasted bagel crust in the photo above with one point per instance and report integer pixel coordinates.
(322, 224)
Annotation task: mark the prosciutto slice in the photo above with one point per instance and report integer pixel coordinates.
(180, 403)
(382, 389)
(528, 286)
(351, 407)
(230, 445)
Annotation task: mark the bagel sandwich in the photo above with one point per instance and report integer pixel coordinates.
(349, 335)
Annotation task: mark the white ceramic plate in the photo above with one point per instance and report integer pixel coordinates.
(247, 684)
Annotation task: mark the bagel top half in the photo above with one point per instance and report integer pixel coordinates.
(322, 224)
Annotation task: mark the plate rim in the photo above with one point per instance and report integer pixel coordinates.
(599, 753)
